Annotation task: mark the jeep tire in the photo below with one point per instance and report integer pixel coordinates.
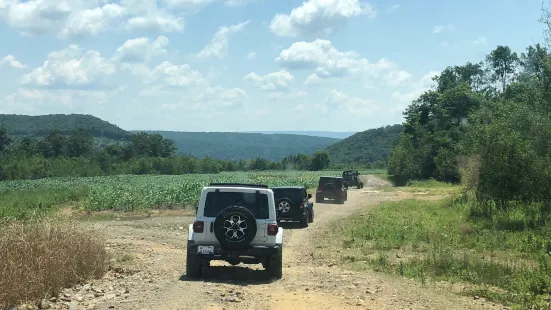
(243, 222)
(274, 266)
(282, 203)
(194, 268)
(311, 215)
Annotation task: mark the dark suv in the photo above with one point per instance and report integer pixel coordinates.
(352, 178)
(292, 204)
(332, 188)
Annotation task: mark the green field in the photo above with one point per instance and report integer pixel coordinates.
(24, 199)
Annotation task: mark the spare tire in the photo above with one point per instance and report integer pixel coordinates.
(284, 205)
(235, 227)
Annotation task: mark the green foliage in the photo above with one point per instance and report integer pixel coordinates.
(502, 133)
(24, 198)
(370, 146)
(5, 139)
(320, 161)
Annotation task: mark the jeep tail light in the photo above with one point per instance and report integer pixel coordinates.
(301, 206)
(272, 229)
(198, 226)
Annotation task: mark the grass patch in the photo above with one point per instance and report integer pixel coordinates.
(25, 204)
(436, 240)
(39, 258)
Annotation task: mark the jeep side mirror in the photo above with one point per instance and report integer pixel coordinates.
(309, 196)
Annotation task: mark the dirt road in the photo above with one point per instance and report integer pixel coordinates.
(152, 253)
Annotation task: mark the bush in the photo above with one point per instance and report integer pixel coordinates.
(39, 258)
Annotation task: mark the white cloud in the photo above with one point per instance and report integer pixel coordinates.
(12, 62)
(322, 57)
(212, 98)
(159, 22)
(178, 75)
(93, 21)
(239, 2)
(218, 46)
(316, 17)
(481, 40)
(79, 18)
(140, 50)
(444, 43)
(397, 77)
(71, 67)
(251, 55)
(441, 28)
(392, 8)
(424, 84)
(336, 100)
(408, 96)
(312, 79)
(275, 81)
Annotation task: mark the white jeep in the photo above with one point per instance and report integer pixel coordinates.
(235, 223)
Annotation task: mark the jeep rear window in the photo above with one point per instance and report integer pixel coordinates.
(256, 203)
(337, 182)
(294, 194)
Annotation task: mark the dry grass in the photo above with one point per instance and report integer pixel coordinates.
(39, 258)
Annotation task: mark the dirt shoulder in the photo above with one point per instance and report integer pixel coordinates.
(150, 258)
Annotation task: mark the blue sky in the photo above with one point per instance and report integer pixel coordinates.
(244, 65)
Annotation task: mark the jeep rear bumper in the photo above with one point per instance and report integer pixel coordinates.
(296, 217)
(331, 195)
(221, 253)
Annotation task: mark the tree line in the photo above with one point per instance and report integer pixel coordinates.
(79, 154)
(487, 124)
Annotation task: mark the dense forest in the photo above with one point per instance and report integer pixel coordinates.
(76, 155)
(372, 146)
(39, 126)
(487, 125)
(241, 145)
(218, 145)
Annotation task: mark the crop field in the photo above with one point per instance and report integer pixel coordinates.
(132, 192)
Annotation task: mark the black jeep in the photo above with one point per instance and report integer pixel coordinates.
(352, 178)
(332, 188)
(292, 204)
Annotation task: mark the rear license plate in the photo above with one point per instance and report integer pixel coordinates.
(203, 249)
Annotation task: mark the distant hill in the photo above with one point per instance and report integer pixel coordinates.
(327, 134)
(241, 145)
(366, 146)
(39, 126)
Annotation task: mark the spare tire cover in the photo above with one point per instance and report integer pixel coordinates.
(235, 227)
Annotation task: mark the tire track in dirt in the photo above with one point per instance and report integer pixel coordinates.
(158, 245)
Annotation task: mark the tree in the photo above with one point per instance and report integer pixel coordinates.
(5, 139)
(80, 143)
(502, 62)
(320, 160)
(53, 145)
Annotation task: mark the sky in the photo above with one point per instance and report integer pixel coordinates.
(244, 65)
